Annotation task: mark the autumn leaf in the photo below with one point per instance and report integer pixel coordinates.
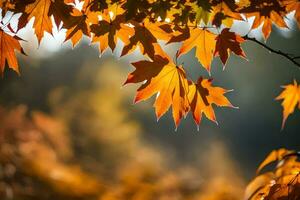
(275, 155)
(222, 13)
(259, 187)
(280, 182)
(228, 42)
(203, 11)
(108, 32)
(293, 5)
(143, 39)
(160, 30)
(166, 80)
(6, 5)
(266, 12)
(41, 11)
(182, 34)
(205, 43)
(77, 27)
(291, 97)
(38, 10)
(8, 45)
(202, 96)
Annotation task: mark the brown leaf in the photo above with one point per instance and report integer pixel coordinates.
(228, 42)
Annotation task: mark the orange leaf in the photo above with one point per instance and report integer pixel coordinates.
(39, 10)
(228, 42)
(290, 97)
(159, 30)
(205, 43)
(275, 155)
(293, 5)
(166, 80)
(201, 97)
(8, 45)
(266, 12)
(223, 14)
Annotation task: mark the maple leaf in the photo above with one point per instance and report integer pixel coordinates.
(266, 12)
(275, 155)
(228, 42)
(182, 34)
(223, 13)
(41, 11)
(108, 32)
(77, 27)
(205, 43)
(291, 97)
(283, 182)
(202, 96)
(143, 39)
(8, 45)
(293, 5)
(38, 9)
(166, 80)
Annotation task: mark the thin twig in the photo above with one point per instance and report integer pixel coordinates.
(279, 52)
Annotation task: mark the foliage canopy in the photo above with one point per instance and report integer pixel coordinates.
(200, 24)
(204, 25)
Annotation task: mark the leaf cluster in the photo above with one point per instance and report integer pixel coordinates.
(204, 25)
(282, 182)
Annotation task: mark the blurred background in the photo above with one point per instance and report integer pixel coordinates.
(69, 130)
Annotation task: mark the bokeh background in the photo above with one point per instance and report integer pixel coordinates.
(69, 129)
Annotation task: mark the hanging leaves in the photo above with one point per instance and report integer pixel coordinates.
(293, 5)
(283, 182)
(145, 25)
(266, 12)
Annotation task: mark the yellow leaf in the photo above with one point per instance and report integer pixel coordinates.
(290, 97)
(205, 43)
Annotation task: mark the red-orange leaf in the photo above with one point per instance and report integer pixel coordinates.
(228, 42)
(166, 80)
(293, 5)
(8, 45)
(202, 96)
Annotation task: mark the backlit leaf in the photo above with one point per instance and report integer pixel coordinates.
(291, 97)
(8, 45)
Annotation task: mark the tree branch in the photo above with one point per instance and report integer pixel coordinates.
(279, 52)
